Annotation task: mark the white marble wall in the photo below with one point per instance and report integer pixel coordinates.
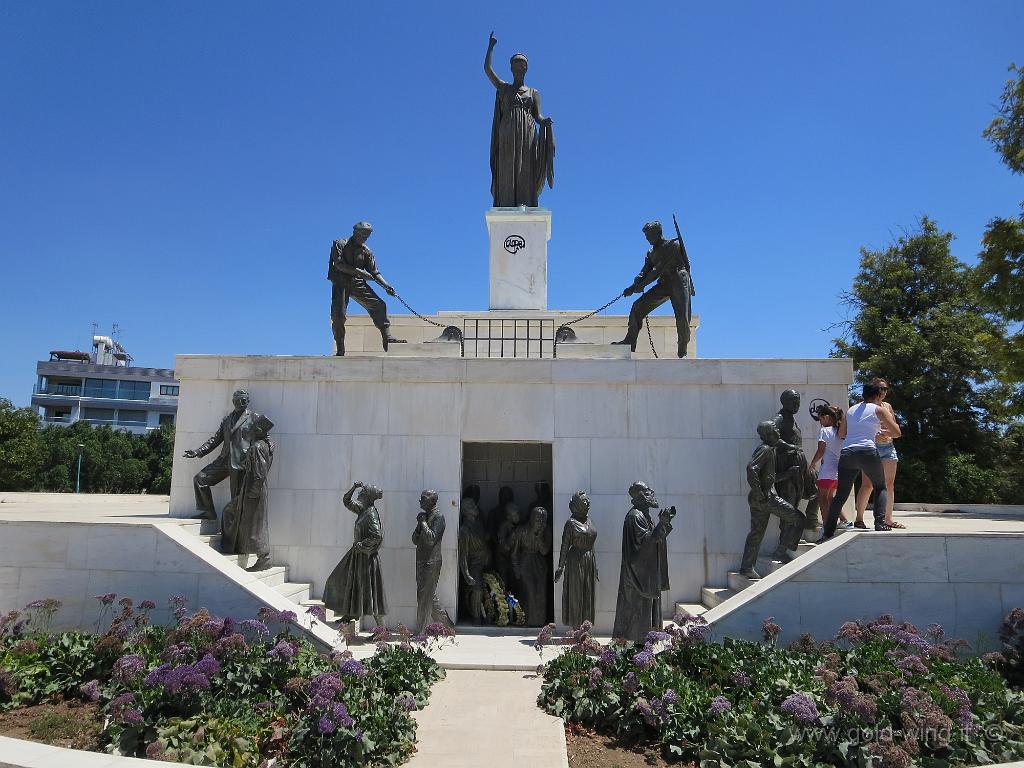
(965, 582)
(685, 426)
(73, 562)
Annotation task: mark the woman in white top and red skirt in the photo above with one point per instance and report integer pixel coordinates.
(827, 456)
(862, 424)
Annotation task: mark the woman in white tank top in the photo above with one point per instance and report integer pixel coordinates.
(887, 453)
(860, 454)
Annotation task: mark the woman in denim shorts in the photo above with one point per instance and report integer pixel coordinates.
(887, 453)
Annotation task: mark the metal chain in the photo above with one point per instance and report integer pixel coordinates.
(462, 339)
(421, 317)
(591, 314)
(650, 338)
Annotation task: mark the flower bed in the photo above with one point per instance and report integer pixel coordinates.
(220, 692)
(880, 694)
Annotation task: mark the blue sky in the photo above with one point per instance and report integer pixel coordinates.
(181, 168)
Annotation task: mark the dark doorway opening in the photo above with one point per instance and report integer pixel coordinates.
(506, 481)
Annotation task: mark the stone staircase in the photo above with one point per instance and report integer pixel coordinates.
(714, 596)
(276, 576)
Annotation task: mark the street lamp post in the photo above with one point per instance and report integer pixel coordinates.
(78, 474)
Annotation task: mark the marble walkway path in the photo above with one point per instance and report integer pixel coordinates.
(488, 718)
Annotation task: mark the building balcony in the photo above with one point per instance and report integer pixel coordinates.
(68, 390)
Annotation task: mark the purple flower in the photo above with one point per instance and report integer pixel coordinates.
(326, 725)
(340, 714)
(407, 702)
(902, 636)
(129, 667)
(91, 690)
(594, 678)
(936, 632)
(287, 617)
(208, 665)
(911, 665)
(283, 651)
(147, 605)
(317, 612)
(644, 660)
(719, 704)
(657, 636)
(770, 630)
(669, 697)
(544, 636)
(647, 712)
(155, 751)
(629, 683)
(106, 599)
(359, 735)
(801, 707)
(120, 702)
(255, 626)
(266, 613)
(353, 667)
(740, 679)
(156, 677)
(126, 602)
(437, 629)
(608, 657)
(963, 706)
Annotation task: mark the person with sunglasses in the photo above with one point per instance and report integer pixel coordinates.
(887, 453)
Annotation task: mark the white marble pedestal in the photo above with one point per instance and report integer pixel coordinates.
(519, 257)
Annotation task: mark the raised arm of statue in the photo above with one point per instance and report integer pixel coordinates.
(488, 69)
(347, 499)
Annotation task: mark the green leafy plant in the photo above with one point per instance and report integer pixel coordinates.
(881, 693)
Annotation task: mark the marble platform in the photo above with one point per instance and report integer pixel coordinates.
(685, 426)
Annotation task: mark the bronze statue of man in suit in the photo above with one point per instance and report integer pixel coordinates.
(235, 436)
(350, 266)
(668, 267)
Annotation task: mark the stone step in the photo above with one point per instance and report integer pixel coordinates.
(273, 576)
(712, 596)
(738, 582)
(293, 591)
(691, 609)
(212, 540)
(194, 528)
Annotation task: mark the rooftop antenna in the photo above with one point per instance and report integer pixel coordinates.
(115, 331)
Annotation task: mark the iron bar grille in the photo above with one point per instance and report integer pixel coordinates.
(509, 337)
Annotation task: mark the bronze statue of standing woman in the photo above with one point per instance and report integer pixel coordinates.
(522, 139)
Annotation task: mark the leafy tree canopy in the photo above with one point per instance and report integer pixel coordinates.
(919, 323)
(1006, 131)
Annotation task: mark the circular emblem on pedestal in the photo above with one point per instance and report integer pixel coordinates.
(514, 242)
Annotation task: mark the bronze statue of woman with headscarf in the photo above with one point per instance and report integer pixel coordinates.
(522, 139)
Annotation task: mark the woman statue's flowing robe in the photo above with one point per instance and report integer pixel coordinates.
(355, 588)
(522, 157)
(576, 561)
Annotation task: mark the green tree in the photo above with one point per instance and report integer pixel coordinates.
(160, 458)
(918, 322)
(1000, 275)
(21, 452)
(1006, 131)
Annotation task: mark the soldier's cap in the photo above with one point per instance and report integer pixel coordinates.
(519, 56)
(652, 225)
(362, 226)
(263, 424)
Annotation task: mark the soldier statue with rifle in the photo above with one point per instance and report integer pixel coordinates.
(350, 268)
(668, 267)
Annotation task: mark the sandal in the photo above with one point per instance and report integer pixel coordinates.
(894, 524)
(860, 524)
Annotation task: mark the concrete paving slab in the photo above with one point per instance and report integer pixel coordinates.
(458, 728)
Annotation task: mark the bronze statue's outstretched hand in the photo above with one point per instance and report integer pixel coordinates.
(629, 291)
(389, 290)
(493, 41)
